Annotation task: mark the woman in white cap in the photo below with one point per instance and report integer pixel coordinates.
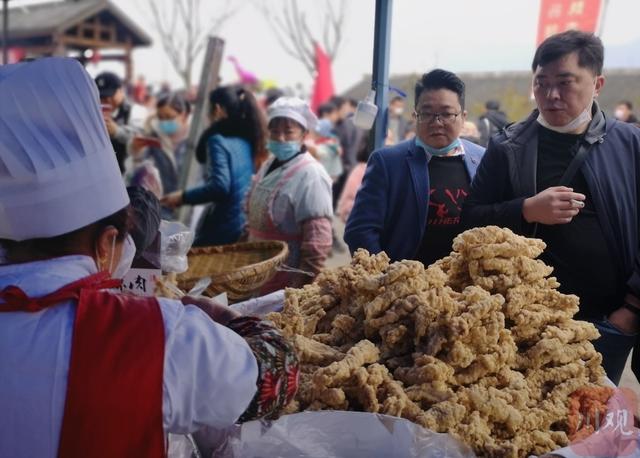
(85, 371)
(290, 199)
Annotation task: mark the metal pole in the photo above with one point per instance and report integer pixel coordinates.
(5, 31)
(380, 79)
(603, 15)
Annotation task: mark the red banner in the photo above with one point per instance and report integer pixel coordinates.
(14, 54)
(561, 15)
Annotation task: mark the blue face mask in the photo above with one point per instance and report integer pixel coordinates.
(438, 151)
(168, 126)
(283, 151)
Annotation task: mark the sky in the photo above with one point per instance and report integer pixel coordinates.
(459, 35)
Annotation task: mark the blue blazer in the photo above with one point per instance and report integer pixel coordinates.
(390, 210)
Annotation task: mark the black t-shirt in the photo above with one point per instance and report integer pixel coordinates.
(449, 184)
(578, 250)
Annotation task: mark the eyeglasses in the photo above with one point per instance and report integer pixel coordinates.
(430, 118)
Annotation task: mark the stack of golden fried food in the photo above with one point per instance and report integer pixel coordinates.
(480, 345)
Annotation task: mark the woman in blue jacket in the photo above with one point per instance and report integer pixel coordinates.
(235, 148)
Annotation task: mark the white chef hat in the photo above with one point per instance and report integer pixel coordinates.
(293, 108)
(58, 171)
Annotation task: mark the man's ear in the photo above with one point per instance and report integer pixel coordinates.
(599, 84)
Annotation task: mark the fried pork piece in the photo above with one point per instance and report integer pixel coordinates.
(398, 310)
(397, 403)
(398, 271)
(344, 329)
(493, 405)
(535, 298)
(495, 242)
(290, 321)
(443, 416)
(555, 351)
(365, 386)
(426, 369)
(571, 331)
(435, 304)
(428, 394)
(481, 304)
(500, 275)
(503, 354)
(313, 352)
(547, 377)
(393, 292)
(364, 352)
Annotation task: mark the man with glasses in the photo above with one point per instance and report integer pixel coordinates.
(412, 193)
(570, 175)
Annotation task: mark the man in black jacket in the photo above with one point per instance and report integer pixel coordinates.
(123, 119)
(570, 175)
(491, 121)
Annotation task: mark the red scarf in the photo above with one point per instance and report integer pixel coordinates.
(113, 405)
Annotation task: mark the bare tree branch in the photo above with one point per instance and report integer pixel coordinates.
(294, 35)
(184, 30)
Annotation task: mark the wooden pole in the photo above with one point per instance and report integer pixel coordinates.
(208, 82)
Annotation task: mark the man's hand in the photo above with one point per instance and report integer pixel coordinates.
(625, 320)
(557, 205)
(219, 313)
(173, 200)
(112, 127)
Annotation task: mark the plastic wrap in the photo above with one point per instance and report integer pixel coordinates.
(332, 434)
(182, 447)
(175, 243)
(261, 306)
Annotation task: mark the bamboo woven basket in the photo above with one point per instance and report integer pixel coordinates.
(239, 269)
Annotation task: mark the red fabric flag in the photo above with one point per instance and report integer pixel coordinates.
(561, 15)
(323, 87)
(14, 55)
(95, 57)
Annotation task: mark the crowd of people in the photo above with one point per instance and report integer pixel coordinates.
(272, 169)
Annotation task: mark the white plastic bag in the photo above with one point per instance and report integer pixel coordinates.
(261, 306)
(333, 434)
(175, 242)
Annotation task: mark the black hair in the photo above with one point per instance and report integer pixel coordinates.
(440, 79)
(492, 105)
(626, 103)
(338, 101)
(588, 47)
(244, 118)
(272, 95)
(325, 109)
(174, 100)
(63, 245)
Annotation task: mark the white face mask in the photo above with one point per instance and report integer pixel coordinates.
(126, 258)
(583, 118)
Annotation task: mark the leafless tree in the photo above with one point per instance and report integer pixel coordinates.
(291, 27)
(183, 26)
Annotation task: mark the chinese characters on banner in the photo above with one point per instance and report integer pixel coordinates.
(560, 15)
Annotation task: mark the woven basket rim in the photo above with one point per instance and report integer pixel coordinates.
(239, 272)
